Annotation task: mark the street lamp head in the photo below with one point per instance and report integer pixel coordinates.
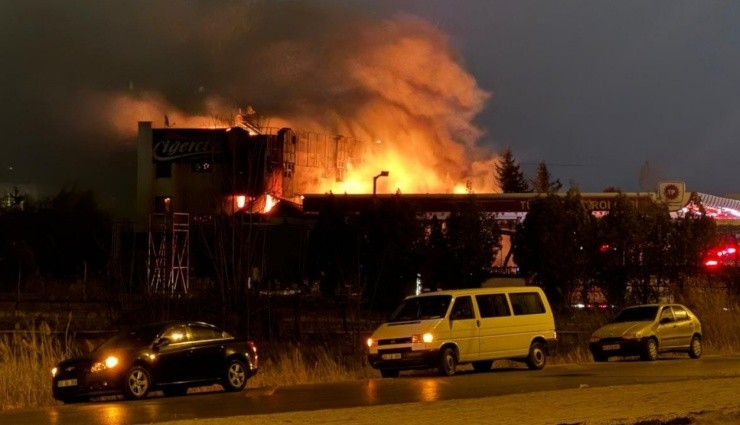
(375, 179)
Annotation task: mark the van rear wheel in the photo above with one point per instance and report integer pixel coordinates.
(447, 362)
(537, 356)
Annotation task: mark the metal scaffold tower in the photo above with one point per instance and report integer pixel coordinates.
(168, 263)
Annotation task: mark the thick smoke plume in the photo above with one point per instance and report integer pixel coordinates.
(87, 71)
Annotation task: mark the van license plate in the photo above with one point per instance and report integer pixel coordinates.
(67, 383)
(610, 347)
(392, 356)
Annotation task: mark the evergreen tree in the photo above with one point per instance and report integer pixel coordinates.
(509, 175)
(543, 183)
(618, 259)
(551, 245)
(473, 239)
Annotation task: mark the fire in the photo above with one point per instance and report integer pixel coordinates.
(398, 85)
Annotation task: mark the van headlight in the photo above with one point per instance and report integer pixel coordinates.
(418, 339)
(108, 363)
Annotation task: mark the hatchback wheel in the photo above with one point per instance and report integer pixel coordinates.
(650, 350)
(695, 347)
(236, 376)
(137, 383)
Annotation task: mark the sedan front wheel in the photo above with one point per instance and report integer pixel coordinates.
(137, 383)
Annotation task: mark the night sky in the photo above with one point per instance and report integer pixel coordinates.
(596, 89)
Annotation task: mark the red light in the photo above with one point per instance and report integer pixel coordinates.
(604, 248)
(711, 263)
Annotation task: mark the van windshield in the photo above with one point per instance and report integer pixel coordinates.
(420, 308)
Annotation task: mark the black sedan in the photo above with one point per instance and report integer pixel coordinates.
(168, 356)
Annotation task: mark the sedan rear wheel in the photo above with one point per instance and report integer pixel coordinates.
(695, 347)
(236, 376)
(137, 383)
(650, 350)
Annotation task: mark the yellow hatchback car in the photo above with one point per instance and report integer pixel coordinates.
(648, 330)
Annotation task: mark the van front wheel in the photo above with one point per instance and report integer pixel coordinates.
(537, 356)
(447, 362)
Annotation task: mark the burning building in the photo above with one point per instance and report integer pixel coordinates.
(226, 170)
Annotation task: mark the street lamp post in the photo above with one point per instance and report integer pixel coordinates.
(375, 180)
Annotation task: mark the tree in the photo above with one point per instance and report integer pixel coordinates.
(618, 255)
(509, 175)
(543, 182)
(474, 239)
(552, 245)
(436, 264)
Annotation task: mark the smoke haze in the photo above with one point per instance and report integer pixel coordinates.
(84, 72)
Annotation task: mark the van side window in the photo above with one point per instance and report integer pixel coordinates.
(493, 305)
(526, 303)
(462, 309)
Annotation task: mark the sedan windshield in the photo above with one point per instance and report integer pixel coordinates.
(129, 339)
(637, 314)
(419, 308)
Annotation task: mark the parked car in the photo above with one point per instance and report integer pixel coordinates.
(169, 356)
(648, 330)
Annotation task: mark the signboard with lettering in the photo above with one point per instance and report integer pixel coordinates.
(188, 145)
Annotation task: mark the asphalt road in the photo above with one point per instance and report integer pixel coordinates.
(411, 387)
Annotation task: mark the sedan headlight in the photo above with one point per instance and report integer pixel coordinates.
(371, 342)
(594, 338)
(54, 372)
(108, 363)
(632, 335)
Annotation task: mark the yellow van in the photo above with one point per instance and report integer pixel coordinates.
(444, 329)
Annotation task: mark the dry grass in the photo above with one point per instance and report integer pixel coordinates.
(26, 358)
(290, 364)
(719, 312)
